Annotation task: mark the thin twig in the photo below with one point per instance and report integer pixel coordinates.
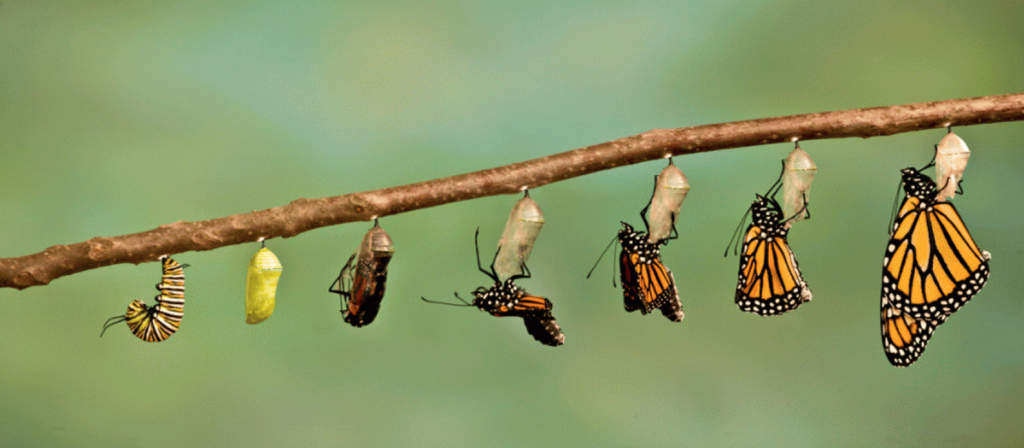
(306, 214)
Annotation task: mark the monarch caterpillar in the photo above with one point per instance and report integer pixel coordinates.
(932, 267)
(951, 156)
(798, 173)
(261, 285)
(516, 243)
(505, 299)
(670, 189)
(162, 320)
(770, 282)
(360, 285)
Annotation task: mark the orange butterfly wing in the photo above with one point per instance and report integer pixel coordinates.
(903, 337)
(932, 266)
(770, 282)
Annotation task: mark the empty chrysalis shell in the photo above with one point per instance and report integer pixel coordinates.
(798, 173)
(670, 189)
(261, 286)
(951, 156)
(516, 243)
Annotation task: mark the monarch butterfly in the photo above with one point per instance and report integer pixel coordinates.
(505, 299)
(516, 243)
(932, 267)
(162, 320)
(360, 286)
(646, 283)
(770, 282)
(261, 285)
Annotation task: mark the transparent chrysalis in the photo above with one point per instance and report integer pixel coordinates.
(261, 286)
(361, 282)
(951, 156)
(516, 243)
(670, 189)
(798, 173)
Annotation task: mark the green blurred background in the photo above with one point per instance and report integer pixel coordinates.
(118, 117)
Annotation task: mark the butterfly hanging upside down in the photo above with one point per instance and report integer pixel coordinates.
(504, 299)
(932, 267)
(647, 284)
(770, 282)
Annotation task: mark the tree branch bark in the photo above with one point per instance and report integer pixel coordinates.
(303, 214)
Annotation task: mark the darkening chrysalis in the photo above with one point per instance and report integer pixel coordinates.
(798, 173)
(361, 282)
(516, 243)
(951, 156)
(670, 189)
(261, 286)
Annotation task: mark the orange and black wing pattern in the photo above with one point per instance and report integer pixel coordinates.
(770, 282)
(647, 284)
(903, 337)
(507, 299)
(932, 266)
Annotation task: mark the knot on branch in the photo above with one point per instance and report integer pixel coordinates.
(26, 278)
(206, 240)
(100, 248)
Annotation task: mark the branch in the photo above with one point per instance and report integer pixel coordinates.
(302, 215)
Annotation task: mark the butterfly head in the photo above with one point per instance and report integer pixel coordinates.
(917, 184)
(765, 212)
(495, 296)
(636, 242)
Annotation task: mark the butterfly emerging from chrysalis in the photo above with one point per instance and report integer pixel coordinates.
(159, 322)
(648, 285)
(770, 282)
(932, 267)
(504, 299)
(361, 282)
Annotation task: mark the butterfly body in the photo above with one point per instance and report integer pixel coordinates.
(770, 282)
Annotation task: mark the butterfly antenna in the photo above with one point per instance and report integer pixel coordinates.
(735, 234)
(111, 322)
(778, 183)
(602, 255)
(464, 303)
(932, 163)
(895, 203)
